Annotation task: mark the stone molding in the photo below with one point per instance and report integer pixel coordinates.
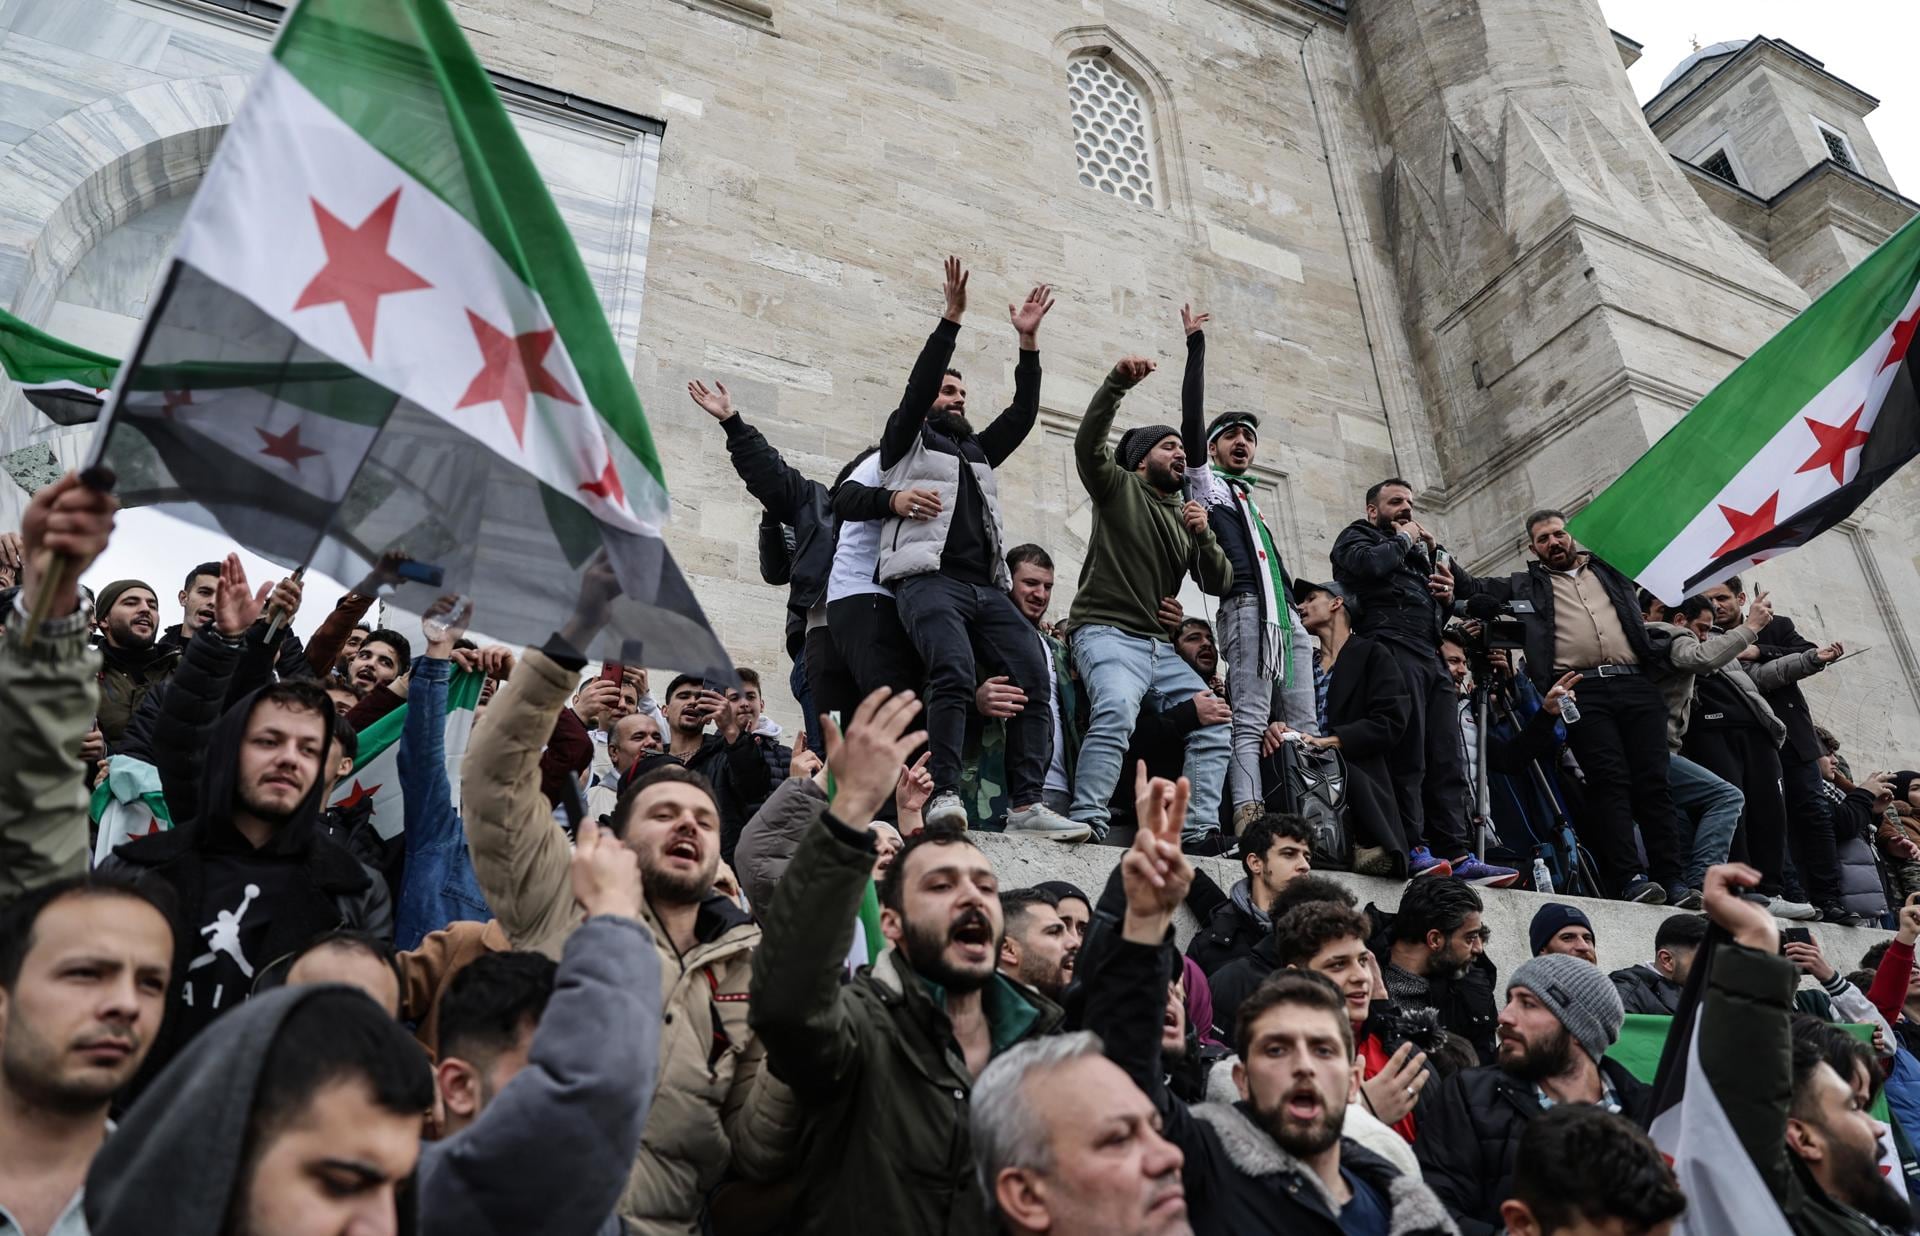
(1157, 94)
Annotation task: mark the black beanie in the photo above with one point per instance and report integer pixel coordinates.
(1136, 442)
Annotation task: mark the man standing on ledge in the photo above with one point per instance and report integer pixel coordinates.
(948, 573)
(1145, 541)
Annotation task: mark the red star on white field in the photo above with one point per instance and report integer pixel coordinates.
(1749, 525)
(359, 270)
(286, 446)
(1835, 442)
(512, 372)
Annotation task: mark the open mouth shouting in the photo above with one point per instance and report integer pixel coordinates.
(972, 936)
(682, 848)
(1304, 1105)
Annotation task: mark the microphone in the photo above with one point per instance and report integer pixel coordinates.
(1482, 607)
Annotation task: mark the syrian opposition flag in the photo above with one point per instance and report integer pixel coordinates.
(376, 769)
(126, 804)
(1725, 1191)
(1787, 446)
(376, 338)
(66, 382)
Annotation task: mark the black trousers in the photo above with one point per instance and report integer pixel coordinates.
(1429, 779)
(964, 631)
(1745, 756)
(874, 649)
(1810, 829)
(1621, 743)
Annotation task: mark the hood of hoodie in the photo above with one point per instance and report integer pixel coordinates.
(1242, 896)
(173, 1165)
(220, 785)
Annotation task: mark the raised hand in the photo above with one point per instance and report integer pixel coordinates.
(1393, 1091)
(999, 698)
(955, 290)
(1880, 785)
(1191, 321)
(1831, 653)
(605, 873)
(715, 403)
(1560, 692)
(596, 701)
(234, 607)
(1155, 873)
(911, 792)
(805, 763)
(68, 521)
(1131, 369)
(497, 660)
(442, 606)
(12, 559)
(866, 760)
(1026, 317)
(1808, 957)
(1760, 611)
(1749, 924)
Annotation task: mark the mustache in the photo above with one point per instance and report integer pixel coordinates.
(974, 917)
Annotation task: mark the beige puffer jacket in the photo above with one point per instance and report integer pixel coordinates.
(714, 1109)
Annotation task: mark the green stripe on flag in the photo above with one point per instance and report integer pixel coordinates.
(870, 921)
(1644, 1036)
(30, 356)
(1651, 503)
(382, 734)
(463, 690)
(401, 74)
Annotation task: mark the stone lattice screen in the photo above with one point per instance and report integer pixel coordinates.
(1110, 135)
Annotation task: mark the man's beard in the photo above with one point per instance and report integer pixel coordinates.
(1162, 477)
(926, 950)
(671, 887)
(1439, 967)
(1550, 1058)
(1303, 1141)
(27, 1061)
(1049, 982)
(1389, 523)
(124, 636)
(1860, 1184)
(953, 424)
(270, 815)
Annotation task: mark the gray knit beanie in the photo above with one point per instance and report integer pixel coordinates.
(1136, 442)
(1581, 996)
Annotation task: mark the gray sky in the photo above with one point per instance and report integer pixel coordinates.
(1867, 42)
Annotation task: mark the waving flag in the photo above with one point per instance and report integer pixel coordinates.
(376, 769)
(66, 382)
(1790, 444)
(377, 339)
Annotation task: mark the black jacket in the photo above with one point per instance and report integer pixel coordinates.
(800, 503)
(1369, 706)
(206, 862)
(1229, 934)
(259, 664)
(1466, 1005)
(1642, 990)
(1236, 981)
(1779, 639)
(1470, 1127)
(1534, 588)
(1385, 578)
(1238, 1180)
(741, 782)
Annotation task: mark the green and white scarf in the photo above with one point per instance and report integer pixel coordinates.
(1276, 637)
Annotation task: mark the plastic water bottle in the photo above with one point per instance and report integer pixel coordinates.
(1542, 877)
(1569, 711)
(435, 626)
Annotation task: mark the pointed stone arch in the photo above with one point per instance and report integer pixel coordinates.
(1155, 93)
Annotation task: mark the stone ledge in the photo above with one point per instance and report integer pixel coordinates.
(1623, 933)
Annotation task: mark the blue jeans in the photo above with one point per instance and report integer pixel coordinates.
(1118, 671)
(1712, 806)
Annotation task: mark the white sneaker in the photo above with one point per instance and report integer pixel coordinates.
(1041, 820)
(1780, 907)
(945, 811)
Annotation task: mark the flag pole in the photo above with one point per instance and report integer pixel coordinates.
(280, 616)
(54, 566)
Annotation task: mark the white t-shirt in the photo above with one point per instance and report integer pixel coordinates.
(857, 553)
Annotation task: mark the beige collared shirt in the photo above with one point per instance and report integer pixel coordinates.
(1586, 627)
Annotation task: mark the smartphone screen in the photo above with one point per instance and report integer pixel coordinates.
(613, 671)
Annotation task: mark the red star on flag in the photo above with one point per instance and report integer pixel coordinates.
(357, 795)
(606, 485)
(169, 400)
(1748, 526)
(359, 270)
(1902, 339)
(286, 446)
(512, 371)
(1835, 442)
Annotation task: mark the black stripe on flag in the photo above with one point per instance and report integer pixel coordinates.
(1895, 440)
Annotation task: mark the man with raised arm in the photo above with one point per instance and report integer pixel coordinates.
(949, 573)
(1145, 541)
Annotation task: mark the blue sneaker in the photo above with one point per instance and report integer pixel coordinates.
(1683, 896)
(1421, 862)
(1644, 891)
(1468, 867)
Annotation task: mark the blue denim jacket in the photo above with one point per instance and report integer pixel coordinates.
(439, 886)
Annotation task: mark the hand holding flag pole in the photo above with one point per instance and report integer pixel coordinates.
(280, 614)
(64, 529)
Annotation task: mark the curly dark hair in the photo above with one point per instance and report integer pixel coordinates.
(1580, 1162)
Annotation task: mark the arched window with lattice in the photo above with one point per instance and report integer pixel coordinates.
(1112, 131)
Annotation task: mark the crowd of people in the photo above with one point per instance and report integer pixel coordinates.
(614, 961)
